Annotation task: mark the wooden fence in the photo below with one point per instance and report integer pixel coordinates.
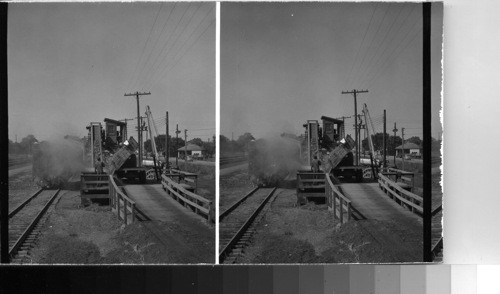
(406, 177)
(182, 176)
(400, 195)
(337, 202)
(197, 203)
(124, 207)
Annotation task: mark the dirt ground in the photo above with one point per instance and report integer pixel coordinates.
(310, 234)
(21, 187)
(93, 235)
(74, 234)
(233, 187)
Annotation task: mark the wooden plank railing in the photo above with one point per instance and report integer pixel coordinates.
(337, 202)
(185, 176)
(405, 176)
(124, 207)
(400, 195)
(197, 203)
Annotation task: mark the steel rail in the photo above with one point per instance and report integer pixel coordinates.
(233, 207)
(17, 209)
(228, 248)
(32, 225)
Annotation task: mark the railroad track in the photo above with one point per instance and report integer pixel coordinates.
(25, 223)
(235, 224)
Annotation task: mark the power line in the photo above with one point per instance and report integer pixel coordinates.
(369, 63)
(405, 20)
(361, 44)
(191, 46)
(170, 48)
(368, 48)
(154, 46)
(388, 59)
(145, 44)
(167, 68)
(376, 76)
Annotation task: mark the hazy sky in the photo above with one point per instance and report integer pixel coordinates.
(285, 63)
(71, 64)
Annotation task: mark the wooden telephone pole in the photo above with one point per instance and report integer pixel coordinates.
(385, 142)
(139, 132)
(355, 92)
(403, 148)
(185, 148)
(167, 162)
(395, 130)
(177, 132)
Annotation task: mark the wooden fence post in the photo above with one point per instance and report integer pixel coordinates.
(118, 205)
(133, 212)
(334, 205)
(341, 210)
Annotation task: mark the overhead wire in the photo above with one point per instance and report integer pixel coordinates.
(145, 45)
(361, 44)
(375, 66)
(368, 48)
(161, 57)
(140, 77)
(167, 68)
(380, 45)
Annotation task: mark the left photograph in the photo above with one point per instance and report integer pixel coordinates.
(111, 133)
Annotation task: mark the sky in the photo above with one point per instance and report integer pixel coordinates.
(285, 63)
(70, 64)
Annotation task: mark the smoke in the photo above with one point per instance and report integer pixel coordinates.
(273, 159)
(57, 160)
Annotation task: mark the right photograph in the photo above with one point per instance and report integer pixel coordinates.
(330, 133)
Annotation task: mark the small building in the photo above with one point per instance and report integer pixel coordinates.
(333, 128)
(112, 131)
(408, 148)
(191, 149)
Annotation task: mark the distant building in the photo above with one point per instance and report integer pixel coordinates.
(191, 149)
(408, 148)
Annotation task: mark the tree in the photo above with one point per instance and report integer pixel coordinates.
(27, 142)
(243, 140)
(378, 142)
(223, 139)
(415, 140)
(196, 141)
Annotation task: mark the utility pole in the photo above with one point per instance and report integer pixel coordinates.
(177, 132)
(185, 148)
(139, 132)
(125, 136)
(355, 92)
(167, 162)
(142, 128)
(395, 130)
(403, 147)
(384, 142)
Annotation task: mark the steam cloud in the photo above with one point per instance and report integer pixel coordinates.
(273, 159)
(57, 160)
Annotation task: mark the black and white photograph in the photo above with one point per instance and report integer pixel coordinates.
(111, 133)
(322, 133)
